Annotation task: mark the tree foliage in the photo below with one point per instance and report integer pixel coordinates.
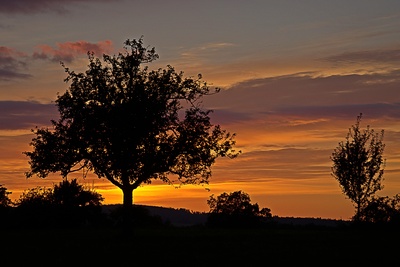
(131, 125)
(358, 165)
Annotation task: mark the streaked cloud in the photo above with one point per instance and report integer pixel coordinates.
(12, 64)
(273, 162)
(68, 51)
(39, 6)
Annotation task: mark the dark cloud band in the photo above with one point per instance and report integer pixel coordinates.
(39, 6)
(16, 115)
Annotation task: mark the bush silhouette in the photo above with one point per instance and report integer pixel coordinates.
(235, 210)
(66, 204)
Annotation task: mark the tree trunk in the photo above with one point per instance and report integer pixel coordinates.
(358, 212)
(127, 210)
(127, 198)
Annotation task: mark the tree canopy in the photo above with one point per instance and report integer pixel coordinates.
(131, 125)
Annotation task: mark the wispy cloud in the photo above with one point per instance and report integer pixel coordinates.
(12, 64)
(207, 47)
(39, 6)
(200, 52)
(215, 46)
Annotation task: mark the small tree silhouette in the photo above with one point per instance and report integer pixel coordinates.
(358, 165)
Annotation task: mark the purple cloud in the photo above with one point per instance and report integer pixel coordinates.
(11, 64)
(16, 115)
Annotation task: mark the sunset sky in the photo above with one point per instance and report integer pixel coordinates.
(294, 76)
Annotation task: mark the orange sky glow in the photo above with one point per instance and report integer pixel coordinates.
(294, 77)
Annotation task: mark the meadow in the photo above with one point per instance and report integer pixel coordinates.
(200, 246)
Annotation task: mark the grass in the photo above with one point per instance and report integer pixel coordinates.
(199, 246)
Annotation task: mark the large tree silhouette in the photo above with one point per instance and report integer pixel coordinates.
(131, 125)
(358, 165)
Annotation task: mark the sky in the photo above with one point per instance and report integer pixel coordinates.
(294, 76)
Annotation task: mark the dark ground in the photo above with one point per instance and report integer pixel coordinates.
(181, 241)
(200, 246)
